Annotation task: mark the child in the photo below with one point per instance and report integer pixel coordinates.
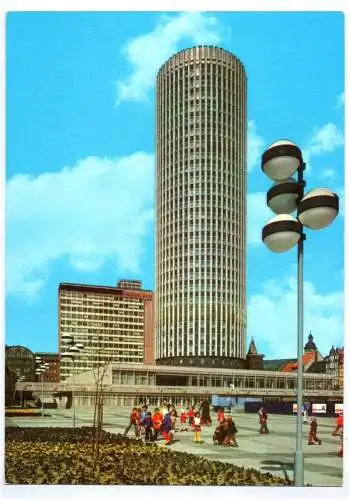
(191, 416)
(231, 431)
(157, 419)
(220, 417)
(148, 424)
(312, 433)
(197, 428)
(173, 424)
(165, 429)
(134, 421)
(183, 418)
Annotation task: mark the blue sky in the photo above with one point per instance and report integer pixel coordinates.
(80, 158)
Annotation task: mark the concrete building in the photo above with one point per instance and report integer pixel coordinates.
(334, 363)
(52, 374)
(201, 210)
(115, 324)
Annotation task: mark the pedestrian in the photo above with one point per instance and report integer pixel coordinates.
(231, 431)
(304, 416)
(263, 421)
(165, 429)
(205, 409)
(164, 408)
(148, 426)
(220, 417)
(183, 418)
(313, 432)
(134, 421)
(191, 413)
(338, 431)
(220, 433)
(173, 423)
(197, 428)
(157, 419)
(143, 414)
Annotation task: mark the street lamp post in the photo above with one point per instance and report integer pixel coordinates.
(41, 367)
(315, 210)
(21, 379)
(74, 349)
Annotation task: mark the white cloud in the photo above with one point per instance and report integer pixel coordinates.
(325, 139)
(255, 146)
(277, 304)
(258, 215)
(328, 174)
(148, 52)
(340, 101)
(100, 208)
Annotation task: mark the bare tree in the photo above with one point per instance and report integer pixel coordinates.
(99, 376)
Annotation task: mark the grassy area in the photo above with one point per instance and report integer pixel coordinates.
(64, 456)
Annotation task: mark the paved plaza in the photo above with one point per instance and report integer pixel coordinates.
(270, 453)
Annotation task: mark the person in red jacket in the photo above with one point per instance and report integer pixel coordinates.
(134, 421)
(157, 419)
(338, 431)
(183, 418)
(313, 432)
(220, 417)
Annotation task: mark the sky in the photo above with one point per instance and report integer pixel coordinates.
(80, 142)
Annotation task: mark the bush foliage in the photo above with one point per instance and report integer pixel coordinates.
(63, 456)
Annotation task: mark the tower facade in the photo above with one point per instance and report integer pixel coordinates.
(201, 209)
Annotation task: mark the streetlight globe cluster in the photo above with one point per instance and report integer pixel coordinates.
(316, 209)
(73, 349)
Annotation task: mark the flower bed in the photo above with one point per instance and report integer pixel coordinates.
(64, 456)
(24, 413)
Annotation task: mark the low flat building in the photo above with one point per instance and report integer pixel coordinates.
(126, 384)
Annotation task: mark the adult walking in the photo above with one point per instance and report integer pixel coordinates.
(313, 432)
(338, 431)
(263, 421)
(205, 412)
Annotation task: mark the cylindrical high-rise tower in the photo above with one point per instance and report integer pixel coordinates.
(201, 209)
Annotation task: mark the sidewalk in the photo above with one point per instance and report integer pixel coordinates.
(270, 453)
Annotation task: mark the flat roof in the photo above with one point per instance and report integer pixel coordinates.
(183, 370)
(80, 287)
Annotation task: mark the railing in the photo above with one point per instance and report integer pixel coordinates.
(153, 389)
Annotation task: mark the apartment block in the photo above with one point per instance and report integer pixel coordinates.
(114, 324)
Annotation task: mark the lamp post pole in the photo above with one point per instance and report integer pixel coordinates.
(73, 394)
(299, 456)
(315, 210)
(71, 353)
(42, 394)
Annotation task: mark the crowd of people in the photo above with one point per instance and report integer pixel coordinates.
(166, 420)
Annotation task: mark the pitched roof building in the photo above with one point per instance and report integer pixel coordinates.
(254, 360)
(310, 357)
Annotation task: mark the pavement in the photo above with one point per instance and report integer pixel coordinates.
(272, 452)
